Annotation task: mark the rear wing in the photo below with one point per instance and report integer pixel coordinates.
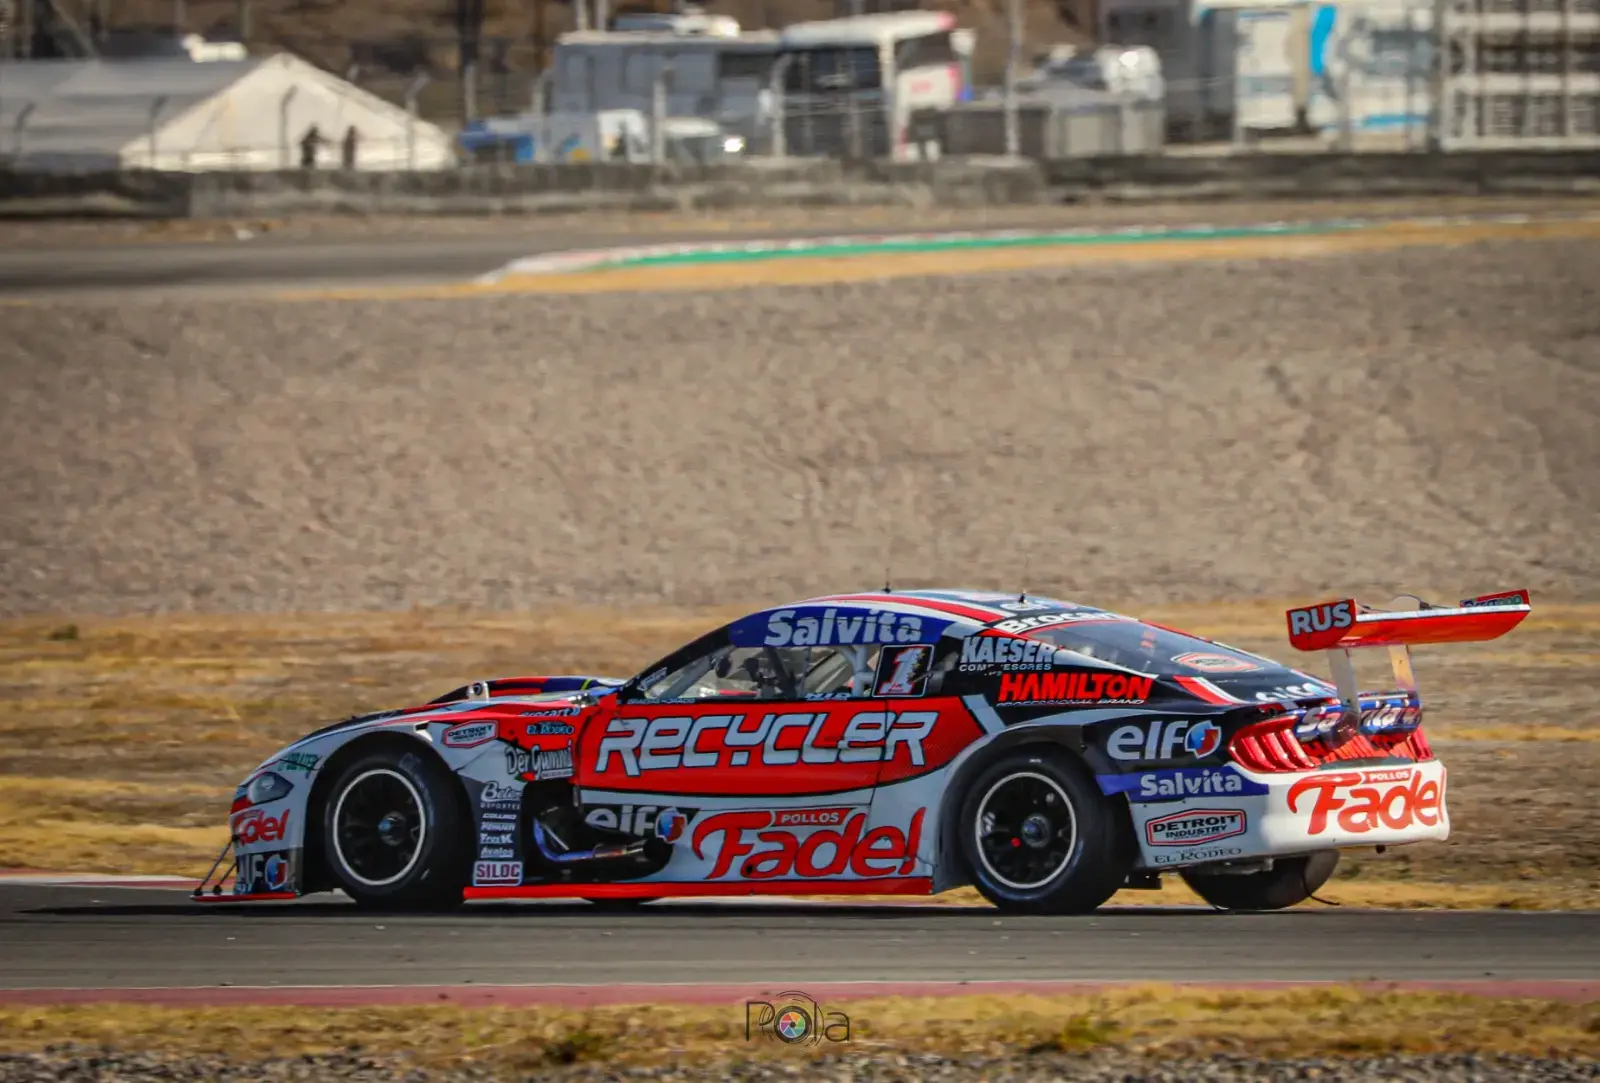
(1343, 626)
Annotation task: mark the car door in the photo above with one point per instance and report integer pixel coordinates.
(740, 721)
(772, 754)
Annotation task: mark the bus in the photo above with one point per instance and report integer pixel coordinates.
(720, 77)
(847, 84)
(874, 73)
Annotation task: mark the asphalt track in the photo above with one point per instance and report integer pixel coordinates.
(146, 268)
(154, 944)
(116, 271)
(86, 943)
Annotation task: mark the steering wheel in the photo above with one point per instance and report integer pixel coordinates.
(773, 679)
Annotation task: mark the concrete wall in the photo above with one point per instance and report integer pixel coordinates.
(556, 189)
(1044, 132)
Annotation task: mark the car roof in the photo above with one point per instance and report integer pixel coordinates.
(983, 606)
(924, 613)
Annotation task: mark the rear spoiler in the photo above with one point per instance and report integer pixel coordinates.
(1343, 626)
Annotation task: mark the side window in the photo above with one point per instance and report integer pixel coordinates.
(713, 670)
(836, 672)
(729, 673)
(638, 74)
(756, 66)
(834, 69)
(693, 72)
(768, 673)
(576, 76)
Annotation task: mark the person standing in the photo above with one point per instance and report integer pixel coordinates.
(310, 144)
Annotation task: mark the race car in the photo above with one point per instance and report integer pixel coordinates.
(893, 742)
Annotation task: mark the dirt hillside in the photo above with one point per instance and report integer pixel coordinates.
(404, 35)
(1417, 419)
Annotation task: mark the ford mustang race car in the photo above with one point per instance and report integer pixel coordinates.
(909, 742)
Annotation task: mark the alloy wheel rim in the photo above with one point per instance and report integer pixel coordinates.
(1026, 830)
(379, 827)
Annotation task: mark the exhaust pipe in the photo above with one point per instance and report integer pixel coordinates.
(543, 838)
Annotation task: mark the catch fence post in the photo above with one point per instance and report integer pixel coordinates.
(155, 116)
(1013, 60)
(285, 154)
(413, 89)
(779, 107)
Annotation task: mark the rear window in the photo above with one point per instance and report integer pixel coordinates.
(1149, 649)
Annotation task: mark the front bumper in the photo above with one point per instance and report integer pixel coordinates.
(245, 877)
(1230, 814)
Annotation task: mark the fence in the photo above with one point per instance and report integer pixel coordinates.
(450, 95)
(1407, 75)
(613, 187)
(229, 133)
(373, 155)
(1520, 73)
(1050, 132)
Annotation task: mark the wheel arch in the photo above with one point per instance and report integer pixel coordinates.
(951, 870)
(317, 876)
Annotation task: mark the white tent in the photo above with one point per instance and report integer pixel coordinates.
(186, 116)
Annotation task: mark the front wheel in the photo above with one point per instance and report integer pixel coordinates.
(1291, 880)
(394, 832)
(1039, 838)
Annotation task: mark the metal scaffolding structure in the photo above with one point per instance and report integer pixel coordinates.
(1519, 74)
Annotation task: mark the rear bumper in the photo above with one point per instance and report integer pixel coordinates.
(1267, 815)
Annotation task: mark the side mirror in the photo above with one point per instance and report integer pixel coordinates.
(724, 665)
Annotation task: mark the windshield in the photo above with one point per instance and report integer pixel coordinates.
(1152, 650)
(731, 672)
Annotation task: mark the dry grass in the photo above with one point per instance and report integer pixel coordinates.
(1155, 1019)
(124, 737)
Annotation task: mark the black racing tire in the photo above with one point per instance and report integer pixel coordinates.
(1291, 880)
(395, 832)
(1070, 847)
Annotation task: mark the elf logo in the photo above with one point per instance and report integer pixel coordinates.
(1164, 740)
(644, 821)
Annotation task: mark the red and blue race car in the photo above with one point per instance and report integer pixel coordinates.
(903, 742)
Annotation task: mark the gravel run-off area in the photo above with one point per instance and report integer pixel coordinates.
(1108, 1067)
(1409, 420)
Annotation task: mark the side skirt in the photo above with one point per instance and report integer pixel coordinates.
(892, 885)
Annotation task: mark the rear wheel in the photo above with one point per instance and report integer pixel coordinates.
(394, 830)
(1038, 837)
(1291, 880)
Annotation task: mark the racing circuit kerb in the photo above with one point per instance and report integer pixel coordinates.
(1046, 752)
